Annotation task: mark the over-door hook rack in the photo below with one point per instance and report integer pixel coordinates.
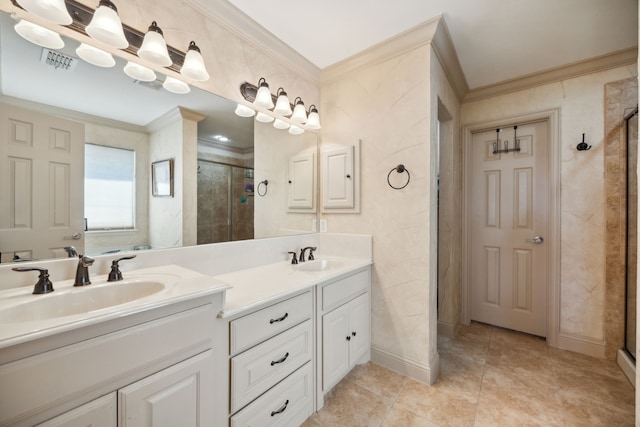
(516, 142)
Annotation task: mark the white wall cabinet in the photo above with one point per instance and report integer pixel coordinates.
(340, 171)
(302, 171)
(344, 338)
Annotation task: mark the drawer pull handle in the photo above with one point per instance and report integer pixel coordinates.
(275, 362)
(281, 410)
(279, 319)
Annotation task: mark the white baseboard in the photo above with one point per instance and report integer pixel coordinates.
(628, 366)
(582, 345)
(410, 368)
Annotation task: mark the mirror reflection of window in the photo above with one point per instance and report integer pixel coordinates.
(109, 188)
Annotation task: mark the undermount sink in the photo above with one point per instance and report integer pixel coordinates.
(79, 300)
(318, 265)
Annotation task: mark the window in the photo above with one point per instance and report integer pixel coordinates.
(109, 188)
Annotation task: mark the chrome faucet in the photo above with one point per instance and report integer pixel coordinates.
(303, 250)
(82, 272)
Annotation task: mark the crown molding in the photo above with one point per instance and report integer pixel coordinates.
(236, 22)
(600, 63)
(433, 32)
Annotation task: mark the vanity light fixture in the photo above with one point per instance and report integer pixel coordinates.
(264, 118)
(283, 107)
(176, 86)
(52, 10)
(280, 124)
(193, 67)
(39, 35)
(244, 111)
(106, 26)
(299, 113)
(139, 72)
(154, 47)
(313, 121)
(263, 95)
(295, 130)
(95, 56)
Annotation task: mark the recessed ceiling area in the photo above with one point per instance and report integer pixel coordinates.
(496, 40)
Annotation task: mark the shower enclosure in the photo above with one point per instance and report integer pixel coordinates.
(225, 202)
(631, 121)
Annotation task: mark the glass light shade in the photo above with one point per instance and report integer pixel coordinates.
(154, 48)
(39, 35)
(282, 104)
(299, 113)
(244, 111)
(138, 72)
(106, 26)
(264, 118)
(263, 96)
(280, 124)
(295, 130)
(313, 121)
(95, 56)
(51, 10)
(193, 67)
(176, 86)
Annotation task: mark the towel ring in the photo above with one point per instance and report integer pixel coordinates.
(265, 183)
(399, 169)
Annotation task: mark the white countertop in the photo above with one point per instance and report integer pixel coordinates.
(254, 287)
(178, 284)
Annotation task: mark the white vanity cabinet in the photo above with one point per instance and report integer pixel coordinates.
(158, 366)
(271, 360)
(344, 335)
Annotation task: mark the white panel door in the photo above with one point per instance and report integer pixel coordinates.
(41, 184)
(338, 178)
(509, 211)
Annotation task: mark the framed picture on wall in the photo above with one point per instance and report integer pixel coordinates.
(162, 178)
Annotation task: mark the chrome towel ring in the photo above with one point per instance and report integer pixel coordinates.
(398, 169)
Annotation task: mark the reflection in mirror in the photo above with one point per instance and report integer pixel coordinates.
(216, 164)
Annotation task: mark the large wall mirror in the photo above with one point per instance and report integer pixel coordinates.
(232, 178)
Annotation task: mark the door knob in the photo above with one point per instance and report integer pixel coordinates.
(538, 240)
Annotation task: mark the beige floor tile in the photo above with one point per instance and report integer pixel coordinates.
(349, 405)
(378, 380)
(460, 376)
(562, 358)
(436, 404)
(517, 341)
(508, 395)
(581, 411)
(609, 391)
(398, 417)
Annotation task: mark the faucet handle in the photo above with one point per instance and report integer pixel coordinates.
(311, 249)
(294, 260)
(44, 285)
(85, 260)
(115, 274)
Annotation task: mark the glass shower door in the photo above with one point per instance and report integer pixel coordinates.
(632, 232)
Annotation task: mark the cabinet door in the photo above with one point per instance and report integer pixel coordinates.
(338, 178)
(301, 181)
(335, 346)
(177, 396)
(359, 323)
(97, 413)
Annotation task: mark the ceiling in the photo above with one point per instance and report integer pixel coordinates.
(496, 40)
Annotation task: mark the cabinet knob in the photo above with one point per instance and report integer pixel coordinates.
(353, 333)
(348, 337)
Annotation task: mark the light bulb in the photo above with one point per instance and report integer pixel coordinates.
(106, 26)
(154, 48)
(52, 10)
(176, 86)
(95, 56)
(39, 35)
(244, 111)
(138, 72)
(193, 67)
(263, 96)
(299, 113)
(282, 104)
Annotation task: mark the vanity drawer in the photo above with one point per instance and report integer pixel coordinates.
(289, 403)
(259, 326)
(258, 369)
(345, 289)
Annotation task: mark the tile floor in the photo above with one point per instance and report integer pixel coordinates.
(488, 377)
